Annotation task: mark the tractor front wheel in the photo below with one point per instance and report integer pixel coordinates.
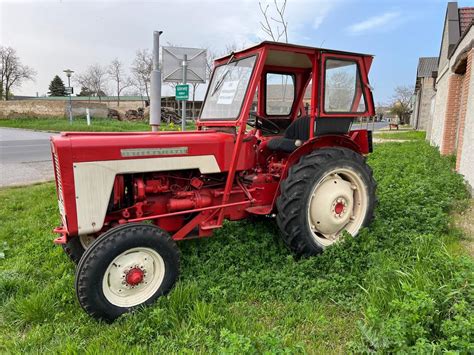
(127, 267)
(76, 247)
(329, 191)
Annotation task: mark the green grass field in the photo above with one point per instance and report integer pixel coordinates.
(80, 124)
(404, 285)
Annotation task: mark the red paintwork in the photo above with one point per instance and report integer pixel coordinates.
(339, 208)
(249, 182)
(134, 276)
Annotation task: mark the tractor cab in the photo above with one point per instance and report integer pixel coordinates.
(288, 93)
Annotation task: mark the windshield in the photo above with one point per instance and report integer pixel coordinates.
(227, 90)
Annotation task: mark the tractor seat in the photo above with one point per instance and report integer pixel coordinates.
(298, 130)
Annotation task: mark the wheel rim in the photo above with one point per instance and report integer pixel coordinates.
(86, 240)
(133, 277)
(337, 202)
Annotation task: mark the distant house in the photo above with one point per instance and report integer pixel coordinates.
(451, 125)
(424, 92)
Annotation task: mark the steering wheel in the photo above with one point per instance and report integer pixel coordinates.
(265, 124)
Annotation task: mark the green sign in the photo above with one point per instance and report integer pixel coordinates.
(182, 92)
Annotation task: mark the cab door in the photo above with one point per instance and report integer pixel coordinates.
(345, 89)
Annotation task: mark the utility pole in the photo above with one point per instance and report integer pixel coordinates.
(183, 114)
(155, 94)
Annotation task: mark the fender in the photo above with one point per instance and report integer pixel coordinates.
(331, 140)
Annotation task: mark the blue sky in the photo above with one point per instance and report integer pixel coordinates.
(396, 32)
(53, 35)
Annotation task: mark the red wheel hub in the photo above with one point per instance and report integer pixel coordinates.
(339, 208)
(134, 277)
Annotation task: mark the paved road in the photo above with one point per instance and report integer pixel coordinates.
(25, 157)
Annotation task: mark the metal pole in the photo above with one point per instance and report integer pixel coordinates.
(183, 114)
(70, 100)
(155, 94)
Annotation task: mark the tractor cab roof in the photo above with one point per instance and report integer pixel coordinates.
(286, 49)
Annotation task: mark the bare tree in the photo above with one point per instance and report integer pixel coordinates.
(276, 27)
(142, 67)
(116, 72)
(139, 86)
(400, 102)
(95, 79)
(12, 72)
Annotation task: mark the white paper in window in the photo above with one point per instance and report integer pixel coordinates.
(227, 93)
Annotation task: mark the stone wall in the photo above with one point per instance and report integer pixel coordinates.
(427, 93)
(49, 109)
(31, 108)
(437, 123)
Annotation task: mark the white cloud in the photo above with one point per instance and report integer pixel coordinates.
(52, 35)
(378, 22)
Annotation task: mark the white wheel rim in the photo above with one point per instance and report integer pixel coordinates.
(86, 240)
(121, 293)
(338, 202)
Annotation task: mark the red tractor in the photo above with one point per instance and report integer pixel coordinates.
(273, 138)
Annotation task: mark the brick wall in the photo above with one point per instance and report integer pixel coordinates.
(463, 109)
(448, 142)
(465, 155)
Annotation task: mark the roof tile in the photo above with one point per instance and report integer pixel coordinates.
(426, 67)
(466, 16)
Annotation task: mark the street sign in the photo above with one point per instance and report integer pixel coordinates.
(69, 90)
(173, 58)
(182, 92)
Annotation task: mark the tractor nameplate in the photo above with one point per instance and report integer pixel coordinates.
(141, 152)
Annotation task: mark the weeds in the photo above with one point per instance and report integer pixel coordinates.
(395, 288)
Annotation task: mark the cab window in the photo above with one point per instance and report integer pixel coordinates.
(342, 87)
(280, 94)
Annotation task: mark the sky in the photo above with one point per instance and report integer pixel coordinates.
(51, 36)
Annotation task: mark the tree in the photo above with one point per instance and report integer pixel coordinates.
(95, 79)
(142, 67)
(275, 27)
(56, 87)
(117, 74)
(400, 103)
(12, 72)
(85, 91)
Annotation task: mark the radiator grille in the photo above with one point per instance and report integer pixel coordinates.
(59, 184)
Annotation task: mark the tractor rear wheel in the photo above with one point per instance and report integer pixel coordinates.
(76, 247)
(127, 267)
(329, 191)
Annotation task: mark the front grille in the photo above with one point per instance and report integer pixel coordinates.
(59, 184)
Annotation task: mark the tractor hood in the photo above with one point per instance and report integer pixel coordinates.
(93, 147)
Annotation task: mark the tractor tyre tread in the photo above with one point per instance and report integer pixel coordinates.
(86, 270)
(74, 249)
(292, 197)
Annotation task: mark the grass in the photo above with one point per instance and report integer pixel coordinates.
(80, 124)
(406, 135)
(403, 285)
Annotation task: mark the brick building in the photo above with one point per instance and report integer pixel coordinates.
(451, 126)
(424, 92)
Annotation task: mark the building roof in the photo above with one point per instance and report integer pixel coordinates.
(426, 67)
(466, 16)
